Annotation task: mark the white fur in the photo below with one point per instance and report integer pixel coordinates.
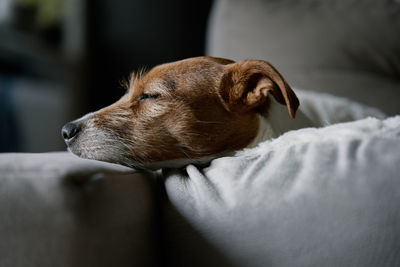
(278, 122)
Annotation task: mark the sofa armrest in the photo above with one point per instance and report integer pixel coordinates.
(60, 210)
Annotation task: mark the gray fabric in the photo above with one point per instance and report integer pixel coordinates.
(349, 48)
(326, 109)
(59, 210)
(312, 197)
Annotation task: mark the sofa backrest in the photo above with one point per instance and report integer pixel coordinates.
(348, 48)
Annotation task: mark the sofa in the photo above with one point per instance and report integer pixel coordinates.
(323, 196)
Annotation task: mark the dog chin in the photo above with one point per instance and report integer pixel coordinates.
(176, 163)
(77, 153)
(104, 156)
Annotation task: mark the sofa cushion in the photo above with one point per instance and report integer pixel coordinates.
(312, 197)
(349, 48)
(59, 210)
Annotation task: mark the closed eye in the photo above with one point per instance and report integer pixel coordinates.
(144, 97)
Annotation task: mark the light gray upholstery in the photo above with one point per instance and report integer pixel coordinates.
(59, 210)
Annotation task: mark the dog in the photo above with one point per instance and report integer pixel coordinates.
(188, 112)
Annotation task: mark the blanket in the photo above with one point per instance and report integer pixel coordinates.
(312, 197)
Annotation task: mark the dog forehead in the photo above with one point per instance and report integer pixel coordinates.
(187, 73)
(191, 66)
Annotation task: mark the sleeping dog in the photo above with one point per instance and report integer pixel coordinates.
(188, 111)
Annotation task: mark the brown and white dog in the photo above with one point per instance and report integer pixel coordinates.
(188, 111)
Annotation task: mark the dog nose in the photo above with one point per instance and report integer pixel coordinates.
(69, 131)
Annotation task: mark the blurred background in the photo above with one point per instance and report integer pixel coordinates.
(60, 59)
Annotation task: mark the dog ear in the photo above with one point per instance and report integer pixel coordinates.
(245, 85)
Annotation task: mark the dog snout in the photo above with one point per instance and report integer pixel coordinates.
(69, 131)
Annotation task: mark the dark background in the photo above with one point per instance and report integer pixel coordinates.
(128, 35)
(59, 65)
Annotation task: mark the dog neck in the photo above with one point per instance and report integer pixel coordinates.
(278, 122)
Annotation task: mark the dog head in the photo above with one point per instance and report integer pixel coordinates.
(181, 111)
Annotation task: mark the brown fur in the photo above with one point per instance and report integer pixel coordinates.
(206, 106)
